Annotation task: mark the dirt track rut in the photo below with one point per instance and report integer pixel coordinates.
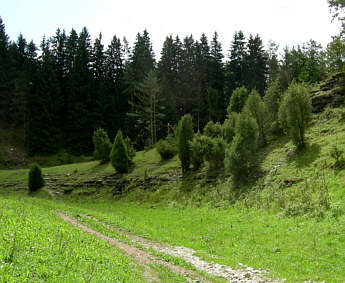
(140, 257)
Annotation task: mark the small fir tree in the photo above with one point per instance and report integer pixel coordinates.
(215, 153)
(295, 113)
(237, 100)
(198, 148)
(102, 145)
(185, 135)
(241, 157)
(257, 108)
(213, 130)
(229, 127)
(35, 178)
(167, 148)
(272, 100)
(130, 150)
(119, 156)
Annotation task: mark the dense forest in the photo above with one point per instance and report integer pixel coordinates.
(71, 85)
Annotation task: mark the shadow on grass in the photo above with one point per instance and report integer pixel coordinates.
(306, 156)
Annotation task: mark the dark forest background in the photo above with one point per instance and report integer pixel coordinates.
(71, 85)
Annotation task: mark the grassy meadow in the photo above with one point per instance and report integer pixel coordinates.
(288, 218)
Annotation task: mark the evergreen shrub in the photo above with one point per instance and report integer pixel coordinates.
(119, 155)
(167, 148)
(185, 135)
(35, 178)
(102, 145)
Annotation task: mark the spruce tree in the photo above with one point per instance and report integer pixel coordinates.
(147, 111)
(5, 85)
(185, 136)
(119, 155)
(256, 60)
(235, 67)
(80, 101)
(167, 74)
(42, 131)
(217, 78)
(114, 103)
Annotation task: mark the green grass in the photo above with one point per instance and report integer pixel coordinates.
(37, 246)
(294, 248)
(289, 218)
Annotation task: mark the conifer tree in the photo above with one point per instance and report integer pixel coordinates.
(235, 68)
(185, 136)
(217, 79)
(256, 71)
(5, 86)
(241, 157)
(167, 74)
(229, 127)
(147, 112)
(80, 101)
(257, 108)
(295, 113)
(102, 145)
(238, 99)
(36, 180)
(119, 155)
(272, 99)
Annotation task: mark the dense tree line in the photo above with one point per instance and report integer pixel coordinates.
(70, 86)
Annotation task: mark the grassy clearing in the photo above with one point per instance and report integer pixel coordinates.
(36, 245)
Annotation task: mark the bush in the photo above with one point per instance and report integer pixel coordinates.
(295, 113)
(35, 178)
(167, 148)
(130, 150)
(241, 157)
(215, 153)
(237, 100)
(213, 130)
(185, 135)
(102, 145)
(198, 149)
(119, 155)
(229, 126)
(257, 108)
(337, 154)
(272, 98)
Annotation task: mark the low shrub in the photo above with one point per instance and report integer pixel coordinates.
(130, 150)
(102, 145)
(215, 153)
(35, 178)
(119, 156)
(337, 154)
(167, 148)
(198, 147)
(213, 130)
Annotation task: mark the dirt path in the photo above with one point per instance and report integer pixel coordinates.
(140, 257)
(246, 274)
